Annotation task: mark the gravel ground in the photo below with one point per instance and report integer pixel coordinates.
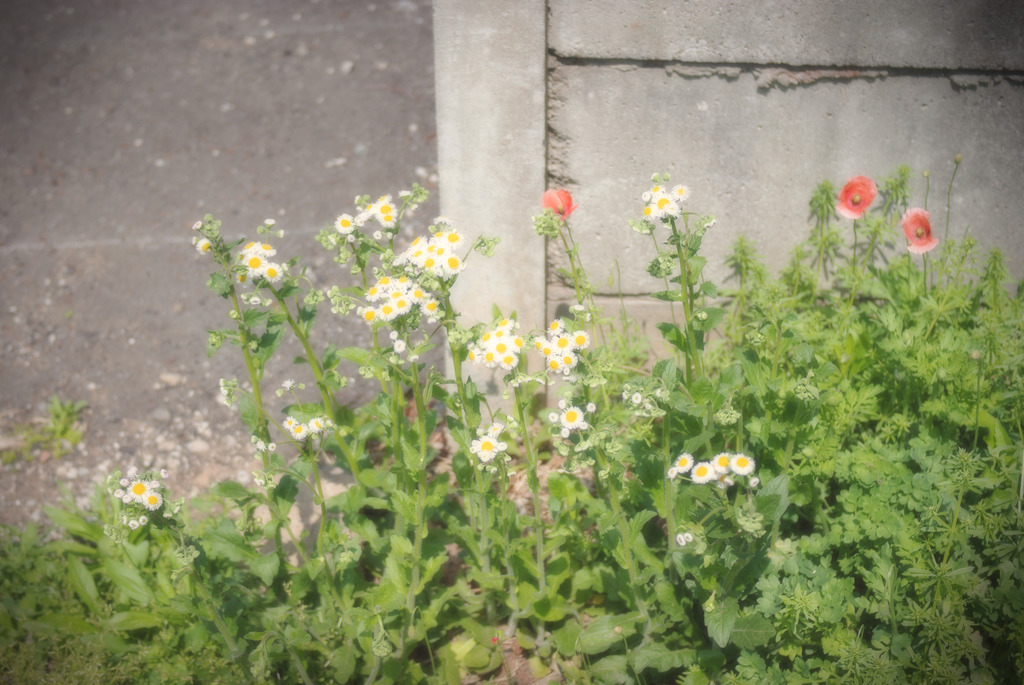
(126, 121)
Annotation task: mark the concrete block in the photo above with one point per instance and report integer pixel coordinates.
(945, 34)
(752, 156)
(490, 84)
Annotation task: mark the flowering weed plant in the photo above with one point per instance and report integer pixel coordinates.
(815, 478)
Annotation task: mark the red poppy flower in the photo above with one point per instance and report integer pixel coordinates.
(558, 201)
(856, 196)
(919, 231)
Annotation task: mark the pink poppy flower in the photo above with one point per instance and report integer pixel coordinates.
(558, 201)
(919, 231)
(856, 196)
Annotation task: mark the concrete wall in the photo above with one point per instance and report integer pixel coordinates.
(749, 104)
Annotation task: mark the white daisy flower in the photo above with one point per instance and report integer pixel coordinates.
(703, 472)
(721, 462)
(741, 465)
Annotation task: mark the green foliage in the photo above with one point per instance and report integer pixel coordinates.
(57, 435)
(812, 482)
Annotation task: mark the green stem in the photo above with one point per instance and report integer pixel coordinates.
(977, 405)
(254, 376)
(668, 286)
(397, 448)
(952, 525)
(218, 620)
(533, 480)
(297, 661)
(670, 493)
(508, 518)
(854, 261)
(420, 524)
(949, 193)
(576, 266)
(329, 403)
(624, 537)
(695, 363)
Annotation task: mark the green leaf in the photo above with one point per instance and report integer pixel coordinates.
(232, 490)
(75, 524)
(751, 631)
(550, 609)
(612, 670)
(637, 523)
(250, 413)
(358, 355)
(134, 620)
(668, 296)
(219, 284)
(773, 498)
(997, 436)
(606, 631)
(332, 357)
(565, 637)
(401, 545)
(702, 390)
(659, 657)
(404, 505)
(254, 317)
(672, 335)
(714, 317)
(696, 442)
(64, 623)
(224, 541)
(82, 582)
(265, 567)
(268, 343)
(722, 620)
(430, 569)
(128, 580)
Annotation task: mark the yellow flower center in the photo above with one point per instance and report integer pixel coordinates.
(571, 416)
